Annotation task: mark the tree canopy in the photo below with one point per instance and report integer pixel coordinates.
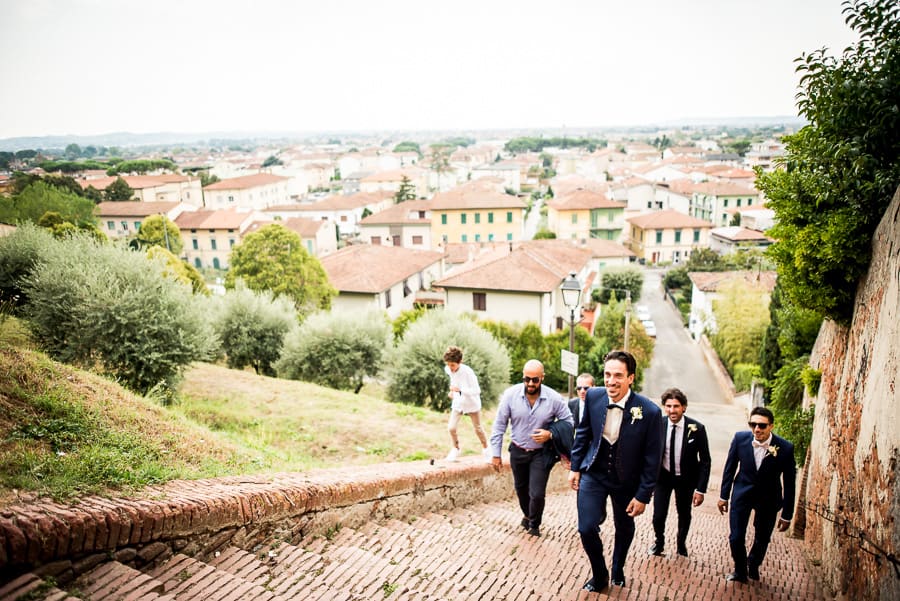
(274, 258)
(39, 198)
(119, 190)
(840, 171)
(159, 230)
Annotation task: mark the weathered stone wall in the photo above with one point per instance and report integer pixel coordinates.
(853, 492)
(199, 517)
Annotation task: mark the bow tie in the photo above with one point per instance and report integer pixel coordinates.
(760, 445)
(613, 406)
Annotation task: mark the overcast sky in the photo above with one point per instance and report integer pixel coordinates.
(98, 66)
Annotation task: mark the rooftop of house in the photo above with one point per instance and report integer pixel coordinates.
(365, 268)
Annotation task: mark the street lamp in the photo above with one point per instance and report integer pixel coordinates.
(571, 294)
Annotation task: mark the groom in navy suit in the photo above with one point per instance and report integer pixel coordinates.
(616, 455)
(762, 462)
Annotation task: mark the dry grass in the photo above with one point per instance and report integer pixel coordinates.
(66, 432)
(296, 425)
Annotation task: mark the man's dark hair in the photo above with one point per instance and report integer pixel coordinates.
(674, 393)
(765, 412)
(453, 354)
(623, 356)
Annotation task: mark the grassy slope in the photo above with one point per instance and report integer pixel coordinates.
(66, 432)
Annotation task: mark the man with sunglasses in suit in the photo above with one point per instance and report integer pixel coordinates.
(528, 408)
(576, 405)
(616, 455)
(759, 466)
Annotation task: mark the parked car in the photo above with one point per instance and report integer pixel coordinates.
(642, 312)
(650, 327)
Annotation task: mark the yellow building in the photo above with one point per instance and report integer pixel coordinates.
(667, 236)
(476, 212)
(581, 214)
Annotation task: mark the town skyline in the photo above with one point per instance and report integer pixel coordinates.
(84, 68)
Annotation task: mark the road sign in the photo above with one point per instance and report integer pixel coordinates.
(569, 362)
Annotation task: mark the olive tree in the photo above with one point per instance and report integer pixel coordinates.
(336, 350)
(252, 326)
(415, 370)
(106, 308)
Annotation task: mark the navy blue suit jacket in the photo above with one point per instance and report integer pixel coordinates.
(762, 488)
(639, 453)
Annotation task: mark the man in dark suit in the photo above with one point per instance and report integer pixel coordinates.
(576, 405)
(685, 470)
(759, 464)
(616, 455)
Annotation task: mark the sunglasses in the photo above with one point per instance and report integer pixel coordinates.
(755, 425)
(528, 380)
(582, 387)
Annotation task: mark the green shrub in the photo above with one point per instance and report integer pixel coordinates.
(252, 326)
(336, 350)
(744, 375)
(811, 379)
(416, 368)
(104, 307)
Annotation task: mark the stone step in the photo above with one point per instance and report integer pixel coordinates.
(115, 581)
(186, 578)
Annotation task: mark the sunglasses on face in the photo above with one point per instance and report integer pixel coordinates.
(755, 425)
(582, 387)
(528, 380)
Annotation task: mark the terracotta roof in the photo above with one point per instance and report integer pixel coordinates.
(536, 266)
(607, 248)
(246, 181)
(669, 218)
(307, 228)
(133, 208)
(394, 175)
(569, 183)
(711, 281)
(740, 234)
(349, 202)
(372, 269)
(405, 212)
(476, 196)
(222, 219)
(583, 200)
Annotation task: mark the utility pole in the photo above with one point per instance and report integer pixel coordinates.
(627, 317)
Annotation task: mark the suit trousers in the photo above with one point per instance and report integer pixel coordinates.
(593, 490)
(666, 483)
(763, 524)
(530, 470)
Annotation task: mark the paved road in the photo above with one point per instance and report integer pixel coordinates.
(677, 361)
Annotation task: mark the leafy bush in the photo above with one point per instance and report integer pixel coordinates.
(19, 254)
(744, 374)
(106, 308)
(337, 351)
(252, 326)
(742, 316)
(615, 282)
(416, 368)
(811, 379)
(842, 169)
(677, 278)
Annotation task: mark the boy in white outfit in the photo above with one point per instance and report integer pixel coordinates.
(465, 394)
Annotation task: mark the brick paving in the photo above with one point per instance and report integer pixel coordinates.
(475, 552)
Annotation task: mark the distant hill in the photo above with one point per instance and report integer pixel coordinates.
(164, 139)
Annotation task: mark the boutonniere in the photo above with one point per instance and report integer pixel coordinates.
(692, 427)
(772, 450)
(636, 414)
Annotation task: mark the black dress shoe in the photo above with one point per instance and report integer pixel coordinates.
(526, 523)
(534, 531)
(618, 578)
(753, 572)
(655, 549)
(592, 587)
(682, 550)
(736, 577)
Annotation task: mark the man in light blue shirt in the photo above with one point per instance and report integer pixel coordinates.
(528, 408)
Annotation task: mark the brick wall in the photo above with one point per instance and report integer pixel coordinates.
(201, 516)
(853, 514)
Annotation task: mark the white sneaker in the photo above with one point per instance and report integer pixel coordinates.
(453, 455)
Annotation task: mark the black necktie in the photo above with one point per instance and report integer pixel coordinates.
(614, 406)
(672, 451)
